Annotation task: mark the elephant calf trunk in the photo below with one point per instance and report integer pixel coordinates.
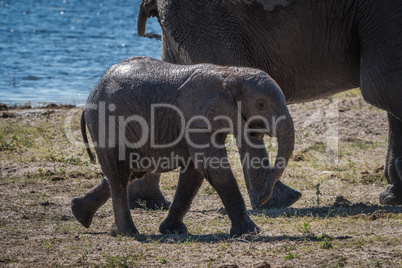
(286, 141)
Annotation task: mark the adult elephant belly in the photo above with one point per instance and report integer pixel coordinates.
(301, 82)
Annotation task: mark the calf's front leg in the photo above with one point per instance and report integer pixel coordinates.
(214, 164)
(226, 186)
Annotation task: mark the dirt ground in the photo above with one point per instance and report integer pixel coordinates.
(337, 165)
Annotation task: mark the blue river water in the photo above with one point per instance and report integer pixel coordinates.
(57, 50)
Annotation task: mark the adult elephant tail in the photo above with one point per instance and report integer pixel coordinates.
(148, 9)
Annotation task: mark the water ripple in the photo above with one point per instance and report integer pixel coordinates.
(56, 52)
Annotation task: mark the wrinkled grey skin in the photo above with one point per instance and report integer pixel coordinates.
(132, 86)
(312, 49)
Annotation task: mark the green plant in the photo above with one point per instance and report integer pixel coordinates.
(162, 260)
(48, 247)
(360, 242)
(290, 256)
(209, 191)
(342, 261)
(7, 260)
(306, 228)
(123, 261)
(325, 241)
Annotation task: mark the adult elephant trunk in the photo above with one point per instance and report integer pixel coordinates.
(147, 9)
(262, 180)
(142, 20)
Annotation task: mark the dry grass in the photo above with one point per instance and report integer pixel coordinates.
(41, 170)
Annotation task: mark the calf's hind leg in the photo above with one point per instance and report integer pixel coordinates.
(145, 189)
(123, 222)
(84, 207)
(190, 181)
(118, 174)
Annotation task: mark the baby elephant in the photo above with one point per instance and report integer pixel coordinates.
(146, 116)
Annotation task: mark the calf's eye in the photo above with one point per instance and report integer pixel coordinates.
(261, 105)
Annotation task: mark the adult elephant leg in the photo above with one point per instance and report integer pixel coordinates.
(283, 196)
(146, 191)
(381, 80)
(190, 181)
(392, 195)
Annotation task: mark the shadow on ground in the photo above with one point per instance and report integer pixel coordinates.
(217, 238)
(341, 208)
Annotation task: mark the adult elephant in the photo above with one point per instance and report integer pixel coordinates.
(313, 49)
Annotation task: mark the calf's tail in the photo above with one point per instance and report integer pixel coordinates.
(85, 138)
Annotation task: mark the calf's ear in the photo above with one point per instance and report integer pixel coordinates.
(205, 96)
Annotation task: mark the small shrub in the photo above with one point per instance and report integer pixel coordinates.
(325, 241)
(290, 256)
(305, 229)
